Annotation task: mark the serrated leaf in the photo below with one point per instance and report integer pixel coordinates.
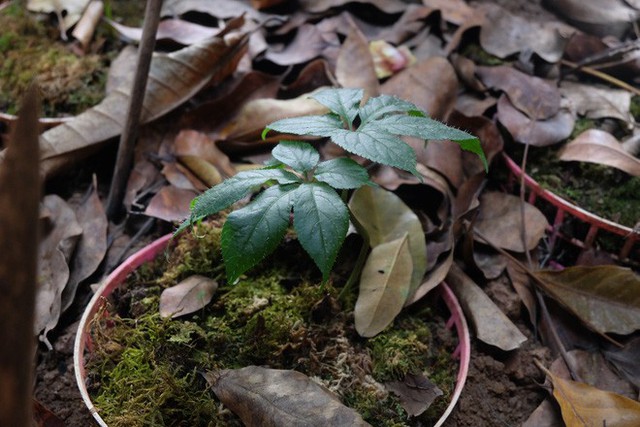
(342, 173)
(253, 232)
(378, 146)
(306, 125)
(385, 217)
(321, 220)
(385, 104)
(188, 296)
(300, 156)
(384, 286)
(231, 190)
(607, 298)
(343, 102)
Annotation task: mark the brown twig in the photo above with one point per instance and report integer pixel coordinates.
(604, 76)
(126, 148)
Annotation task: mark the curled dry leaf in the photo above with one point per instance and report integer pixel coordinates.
(183, 32)
(384, 286)
(202, 156)
(583, 405)
(170, 204)
(264, 397)
(416, 393)
(606, 297)
(500, 220)
(69, 11)
(385, 217)
(538, 133)
(188, 296)
(536, 97)
(600, 147)
(596, 102)
(492, 326)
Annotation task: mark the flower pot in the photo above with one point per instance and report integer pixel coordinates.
(564, 210)
(84, 343)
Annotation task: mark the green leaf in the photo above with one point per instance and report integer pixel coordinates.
(378, 146)
(301, 156)
(384, 286)
(342, 173)
(385, 104)
(306, 125)
(343, 102)
(253, 232)
(231, 190)
(605, 297)
(321, 220)
(385, 217)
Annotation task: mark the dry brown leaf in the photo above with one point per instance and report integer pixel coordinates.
(170, 204)
(354, 55)
(537, 98)
(188, 296)
(586, 406)
(522, 284)
(69, 11)
(454, 11)
(600, 147)
(539, 133)
(387, 6)
(596, 102)
(606, 297)
(491, 325)
(310, 42)
(500, 221)
(183, 32)
(264, 397)
(626, 360)
(600, 17)
(92, 245)
(223, 10)
(433, 277)
(545, 415)
(416, 393)
(384, 286)
(190, 143)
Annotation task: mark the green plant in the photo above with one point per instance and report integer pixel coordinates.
(297, 181)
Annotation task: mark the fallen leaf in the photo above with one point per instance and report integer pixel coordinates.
(177, 30)
(264, 397)
(69, 11)
(596, 102)
(535, 97)
(387, 6)
(170, 204)
(188, 296)
(91, 247)
(354, 55)
(384, 286)
(500, 220)
(521, 282)
(545, 415)
(223, 10)
(583, 405)
(491, 325)
(454, 11)
(193, 144)
(625, 360)
(607, 298)
(539, 133)
(309, 42)
(600, 17)
(173, 78)
(433, 277)
(416, 393)
(600, 147)
(385, 217)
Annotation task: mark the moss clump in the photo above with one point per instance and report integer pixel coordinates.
(69, 84)
(145, 370)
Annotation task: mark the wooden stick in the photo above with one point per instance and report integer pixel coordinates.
(124, 161)
(19, 199)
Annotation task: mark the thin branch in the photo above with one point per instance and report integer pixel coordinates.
(604, 76)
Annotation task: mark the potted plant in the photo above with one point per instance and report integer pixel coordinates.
(283, 315)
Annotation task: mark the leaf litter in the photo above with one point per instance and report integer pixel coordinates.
(432, 83)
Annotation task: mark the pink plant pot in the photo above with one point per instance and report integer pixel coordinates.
(84, 342)
(566, 209)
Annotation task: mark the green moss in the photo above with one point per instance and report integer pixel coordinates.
(480, 56)
(634, 108)
(146, 371)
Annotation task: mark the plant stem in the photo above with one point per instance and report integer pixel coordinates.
(357, 269)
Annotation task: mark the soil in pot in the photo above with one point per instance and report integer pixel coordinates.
(147, 370)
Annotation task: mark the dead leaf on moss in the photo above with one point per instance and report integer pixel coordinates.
(539, 133)
(607, 298)
(188, 296)
(416, 393)
(500, 221)
(600, 147)
(273, 397)
(384, 286)
(583, 405)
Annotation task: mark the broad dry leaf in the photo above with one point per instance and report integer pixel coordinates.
(387, 6)
(264, 397)
(416, 393)
(600, 147)
(596, 102)
(384, 286)
(606, 297)
(626, 360)
(491, 325)
(385, 217)
(433, 277)
(500, 220)
(170, 204)
(173, 78)
(188, 296)
(92, 245)
(69, 10)
(220, 9)
(585, 406)
(537, 98)
(600, 17)
(538, 133)
(310, 42)
(354, 55)
(183, 32)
